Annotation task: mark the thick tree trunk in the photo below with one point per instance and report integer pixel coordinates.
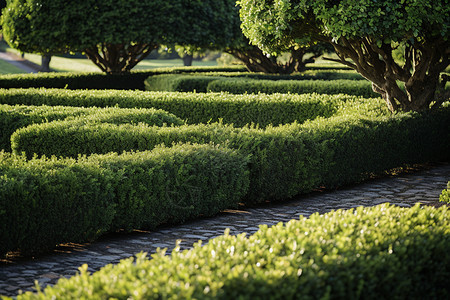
(118, 58)
(421, 85)
(187, 60)
(45, 63)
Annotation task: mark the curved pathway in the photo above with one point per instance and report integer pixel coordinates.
(405, 190)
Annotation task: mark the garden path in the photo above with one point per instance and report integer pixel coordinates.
(404, 190)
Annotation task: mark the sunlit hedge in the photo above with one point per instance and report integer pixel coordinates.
(18, 116)
(195, 108)
(47, 201)
(285, 160)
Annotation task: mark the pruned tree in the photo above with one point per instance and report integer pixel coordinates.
(365, 34)
(213, 24)
(115, 34)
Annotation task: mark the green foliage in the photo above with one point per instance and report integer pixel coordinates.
(274, 24)
(114, 35)
(199, 83)
(179, 83)
(365, 35)
(15, 117)
(369, 253)
(44, 202)
(330, 87)
(129, 81)
(135, 80)
(445, 195)
(285, 160)
(196, 108)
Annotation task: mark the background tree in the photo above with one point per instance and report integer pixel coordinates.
(115, 34)
(213, 24)
(365, 34)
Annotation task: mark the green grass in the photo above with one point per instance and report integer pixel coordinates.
(7, 68)
(63, 64)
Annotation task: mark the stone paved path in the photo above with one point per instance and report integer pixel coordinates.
(405, 190)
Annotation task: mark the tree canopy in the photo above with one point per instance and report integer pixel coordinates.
(114, 34)
(213, 24)
(365, 34)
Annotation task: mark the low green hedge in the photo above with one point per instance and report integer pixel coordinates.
(285, 160)
(445, 195)
(179, 83)
(195, 108)
(199, 81)
(382, 252)
(131, 81)
(18, 116)
(330, 87)
(44, 202)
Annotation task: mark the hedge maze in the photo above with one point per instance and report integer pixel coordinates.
(78, 163)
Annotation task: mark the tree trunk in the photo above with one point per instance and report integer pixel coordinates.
(256, 61)
(187, 60)
(422, 88)
(118, 58)
(45, 63)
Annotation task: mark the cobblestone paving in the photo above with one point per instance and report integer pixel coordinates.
(405, 190)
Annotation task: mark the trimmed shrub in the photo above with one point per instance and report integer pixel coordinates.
(195, 108)
(131, 81)
(369, 253)
(195, 82)
(330, 87)
(285, 160)
(44, 202)
(172, 185)
(15, 117)
(445, 195)
(179, 83)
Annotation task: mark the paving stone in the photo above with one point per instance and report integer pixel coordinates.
(115, 251)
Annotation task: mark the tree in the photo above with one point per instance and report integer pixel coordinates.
(365, 34)
(115, 34)
(215, 25)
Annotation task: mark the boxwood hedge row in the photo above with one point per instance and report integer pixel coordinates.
(364, 253)
(330, 87)
(47, 201)
(195, 108)
(238, 83)
(285, 160)
(199, 81)
(18, 116)
(131, 81)
(135, 79)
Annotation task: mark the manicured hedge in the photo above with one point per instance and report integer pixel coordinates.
(285, 160)
(179, 83)
(195, 108)
(382, 252)
(101, 81)
(18, 116)
(47, 201)
(199, 81)
(330, 87)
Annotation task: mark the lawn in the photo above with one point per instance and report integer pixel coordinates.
(63, 64)
(7, 68)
